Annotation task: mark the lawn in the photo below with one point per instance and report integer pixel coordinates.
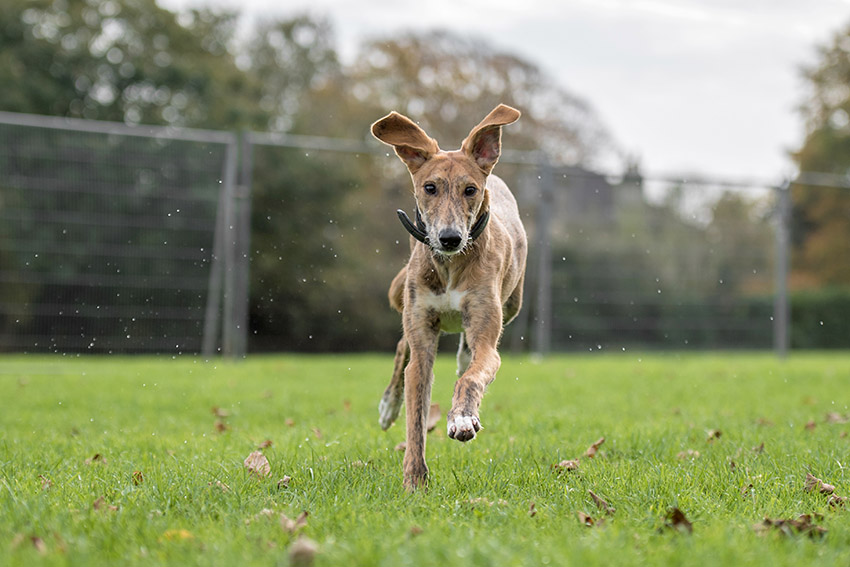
(125, 461)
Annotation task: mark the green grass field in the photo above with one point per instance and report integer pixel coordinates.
(169, 486)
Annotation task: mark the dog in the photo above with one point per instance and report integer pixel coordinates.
(465, 275)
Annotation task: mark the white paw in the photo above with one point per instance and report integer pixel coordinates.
(463, 427)
(388, 410)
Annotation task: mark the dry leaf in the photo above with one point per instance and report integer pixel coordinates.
(346, 405)
(218, 412)
(46, 483)
(837, 501)
(689, 454)
(96, 458)
(434, 415)
(732, 464)
(591, 451)
(289, 422)
(588, 520)
(745, 491)
(138, 478)
(303, 552)
(291, 526)
(566, 465)
(760, 449)
(415, 531)
(258, 464)
(265, 444)
(284, 482)
(602, 504)
(221, 485)
(100, 504)
(763, 421)
(810, 425)
(834, 417)
(803, 525)
(39, 545)
(401, 446)
(220, 426)
(676, 520)
(814, 483)
(531, 510)
(177, 535)
(713, 435)
(317, 432)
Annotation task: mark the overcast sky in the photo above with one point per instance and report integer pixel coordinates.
(687, 86)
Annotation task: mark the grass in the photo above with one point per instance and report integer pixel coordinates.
(196, 504)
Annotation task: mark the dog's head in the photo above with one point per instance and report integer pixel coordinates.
(449, 187)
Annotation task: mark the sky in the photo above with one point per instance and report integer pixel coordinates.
(687, 87)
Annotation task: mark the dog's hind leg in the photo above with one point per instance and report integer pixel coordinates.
(393, 396)
(464, 355)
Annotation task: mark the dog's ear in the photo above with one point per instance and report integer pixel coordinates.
(411, 143)
(484, 143)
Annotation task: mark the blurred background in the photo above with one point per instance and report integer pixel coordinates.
(186, 177)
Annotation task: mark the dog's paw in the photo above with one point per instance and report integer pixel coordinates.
(388, 410)
(463, 427)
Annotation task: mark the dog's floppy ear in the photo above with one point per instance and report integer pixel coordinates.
(411, 143)
(484, 143)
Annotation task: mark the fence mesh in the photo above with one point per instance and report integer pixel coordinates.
(105, 237)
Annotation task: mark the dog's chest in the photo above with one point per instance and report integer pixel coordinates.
(448, 305)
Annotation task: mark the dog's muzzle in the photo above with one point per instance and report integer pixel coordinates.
(449, 239)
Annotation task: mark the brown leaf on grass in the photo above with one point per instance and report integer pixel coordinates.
(802, 525)
(221, 485)
(401, 446)
(302, 552)
(284, 482)
(835, 417)
(346, 405)
(265, 444)
(46, 483)
(843, 434)
(566, 465)
(221, 426)
(588, 520)
(219, 412)
(837, 501)
(100, 504)
(289, 422)
(745, 491)
(814, 483)
(713, 435)
(317, 432)
(591, 451)
(39, 545)
(291, 526)
(531, 510)
(760, 449)
(97, 458)
(415, 531)
(676, 520)
(258, 464)
(764, 422)
(732, 464)
(434, 415)
(602, 504)
(177, 535)
(689, 454)
(138, 478)
(811, 425)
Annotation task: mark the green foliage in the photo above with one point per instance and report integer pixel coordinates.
(820, 318)
(195, 504)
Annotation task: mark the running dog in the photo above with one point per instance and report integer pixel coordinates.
(465, 275)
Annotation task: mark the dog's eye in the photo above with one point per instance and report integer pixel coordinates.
(430, 188)
(470, 191)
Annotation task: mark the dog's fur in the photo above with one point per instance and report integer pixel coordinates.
(452, 284)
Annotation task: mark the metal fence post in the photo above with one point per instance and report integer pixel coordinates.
(242, 264)
(781, 311)
(543, 313)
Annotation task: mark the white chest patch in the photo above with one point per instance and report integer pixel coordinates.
(448, 306)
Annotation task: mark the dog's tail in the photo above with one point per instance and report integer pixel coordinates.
(396, 294)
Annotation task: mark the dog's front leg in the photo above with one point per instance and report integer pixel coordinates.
(482, 327)
(422, 331)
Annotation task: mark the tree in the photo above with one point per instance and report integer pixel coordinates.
(821, 215)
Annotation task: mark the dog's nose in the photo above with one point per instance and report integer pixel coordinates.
(450, 239)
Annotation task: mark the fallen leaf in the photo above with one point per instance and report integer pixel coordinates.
(39, 545)
(219, 412)
(284, 482)
(732, 464)
(346, 405)
(814, 483)
(303, 552)
(834, 417)
(531, 510)
(100, 504)
(291, 526)
(591, 451)
(317, 432)
(566, 465)
(745, 491)
(811, 425)
(96, 458)
(258, 464)
(177, 535)
(138, 478)
(46, 483)
(221, 485)
(837, 501)
(289, 422)
(676, 520)
(803, 525)
(415, 531)
(588, 520)
(221, 426)
(763, 421)
(602, 504)
(713, 435)
(401, 446)
(760, 449)
(689, 454)
(266, 444)
(434, 415)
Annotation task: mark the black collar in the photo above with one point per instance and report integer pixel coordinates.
(419, 232)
